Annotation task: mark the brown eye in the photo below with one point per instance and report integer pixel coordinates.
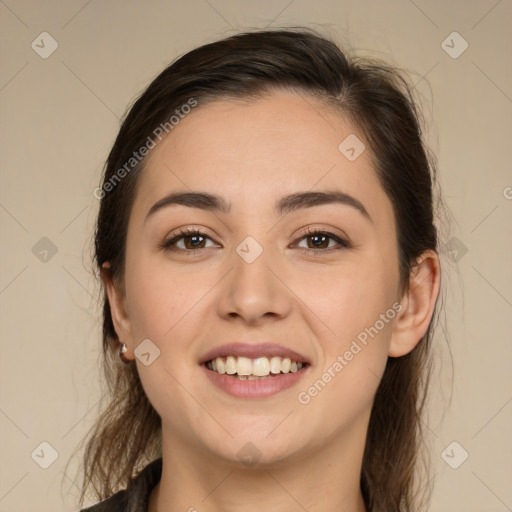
(317, 241)
(320, 240)
(192, 240)
(195, 241)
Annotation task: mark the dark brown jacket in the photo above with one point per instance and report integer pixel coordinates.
(136, 497)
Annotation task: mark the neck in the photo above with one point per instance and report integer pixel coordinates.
(325, 478)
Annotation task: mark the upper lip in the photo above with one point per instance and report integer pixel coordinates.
(252, 351)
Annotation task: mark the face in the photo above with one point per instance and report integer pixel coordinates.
(257, 274)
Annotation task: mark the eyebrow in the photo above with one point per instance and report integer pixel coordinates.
(287, 204)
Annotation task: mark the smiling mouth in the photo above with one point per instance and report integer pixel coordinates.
(245, 368)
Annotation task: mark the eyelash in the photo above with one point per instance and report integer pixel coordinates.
(186, 232)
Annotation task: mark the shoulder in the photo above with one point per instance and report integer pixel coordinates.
(135, 497)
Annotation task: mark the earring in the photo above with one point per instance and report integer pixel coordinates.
(122, 351)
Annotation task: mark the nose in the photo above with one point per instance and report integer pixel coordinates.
(254, 292)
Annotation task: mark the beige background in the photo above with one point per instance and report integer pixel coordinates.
(59, 118)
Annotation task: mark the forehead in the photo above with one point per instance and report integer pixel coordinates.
(254, 152)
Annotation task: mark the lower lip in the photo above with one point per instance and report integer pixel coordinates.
(259, 388)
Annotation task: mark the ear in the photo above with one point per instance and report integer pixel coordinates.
(117, 302)
(418, 305)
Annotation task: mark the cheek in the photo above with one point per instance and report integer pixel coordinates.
(159, 296)
(163, 307)
(359, 314)
(348, 299)
(353, 311)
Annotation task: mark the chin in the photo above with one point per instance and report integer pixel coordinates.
(254, 446)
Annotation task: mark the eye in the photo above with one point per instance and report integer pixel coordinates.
(192, 239)
(320, 241)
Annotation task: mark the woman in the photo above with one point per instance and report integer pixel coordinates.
(268, 250)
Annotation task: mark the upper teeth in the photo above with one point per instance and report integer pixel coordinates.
(261, 366)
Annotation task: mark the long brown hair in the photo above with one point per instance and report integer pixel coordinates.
(378, 100)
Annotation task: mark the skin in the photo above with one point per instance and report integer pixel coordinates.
(253, 153)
